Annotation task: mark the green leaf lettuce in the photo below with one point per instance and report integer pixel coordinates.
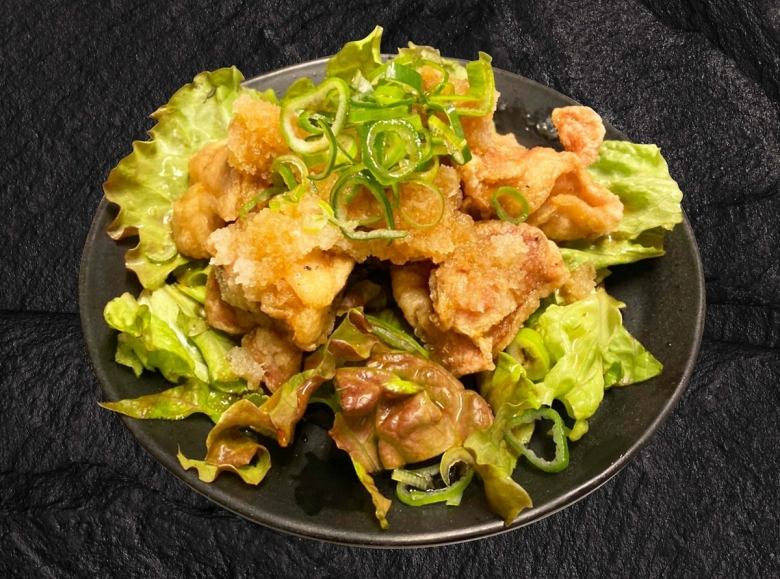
(639, 175)
(591, 351)
(145, 183)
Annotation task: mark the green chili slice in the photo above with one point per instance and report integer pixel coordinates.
(516, 196)
(558, 433)
(528, 348)
(315, 100)
(416, 488)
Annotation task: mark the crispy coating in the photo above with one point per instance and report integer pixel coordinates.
(255, 136)
(580, 131)
(230, 188)
(282, 261)
(471, 306)
(265, 356)
(420, 205)
(492, 284)
(496, 161)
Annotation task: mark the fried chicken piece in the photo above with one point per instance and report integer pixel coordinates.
(419, 205)
(223, 316)
(215, 196)
(563, 198)
(497, 278)
(265, 356)
(412, 294)
(577, 207)
(230, 188)
(283, 262)
(471, 306)
(580, 131)
(496, 161)
(193, 220)
(255, 136)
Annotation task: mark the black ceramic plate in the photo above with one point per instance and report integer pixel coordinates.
(311, 489)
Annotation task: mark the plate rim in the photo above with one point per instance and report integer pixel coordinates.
(356, 538)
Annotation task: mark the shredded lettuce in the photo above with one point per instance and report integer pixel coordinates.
(146, 182)
(639, 175)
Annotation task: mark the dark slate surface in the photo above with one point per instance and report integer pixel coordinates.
(77, 494)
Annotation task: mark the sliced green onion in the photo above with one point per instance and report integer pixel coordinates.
(428, 170)
(445, 76)
(282, 167)
(403, 75)
(332, 154)
(558, 433)
(348, 184)
(442, 204)
(451, 135)
(528, 348)
(358, 115)
(421, 479)
(480, 99)
(401, 129)
(260, 198)
(515, 195)
(312, 101)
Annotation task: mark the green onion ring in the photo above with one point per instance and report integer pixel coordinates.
(291, 113)
(404, 130)
(517, 196)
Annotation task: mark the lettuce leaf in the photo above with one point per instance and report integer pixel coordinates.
(164, 330)
(495, 461)
(146, 182)
(176, 403)
(639, 175)
(591, 351)
(229, 449)
(508, 384)
(358, 56)
(381, 503)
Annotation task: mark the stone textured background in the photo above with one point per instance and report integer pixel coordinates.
(701, 79)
